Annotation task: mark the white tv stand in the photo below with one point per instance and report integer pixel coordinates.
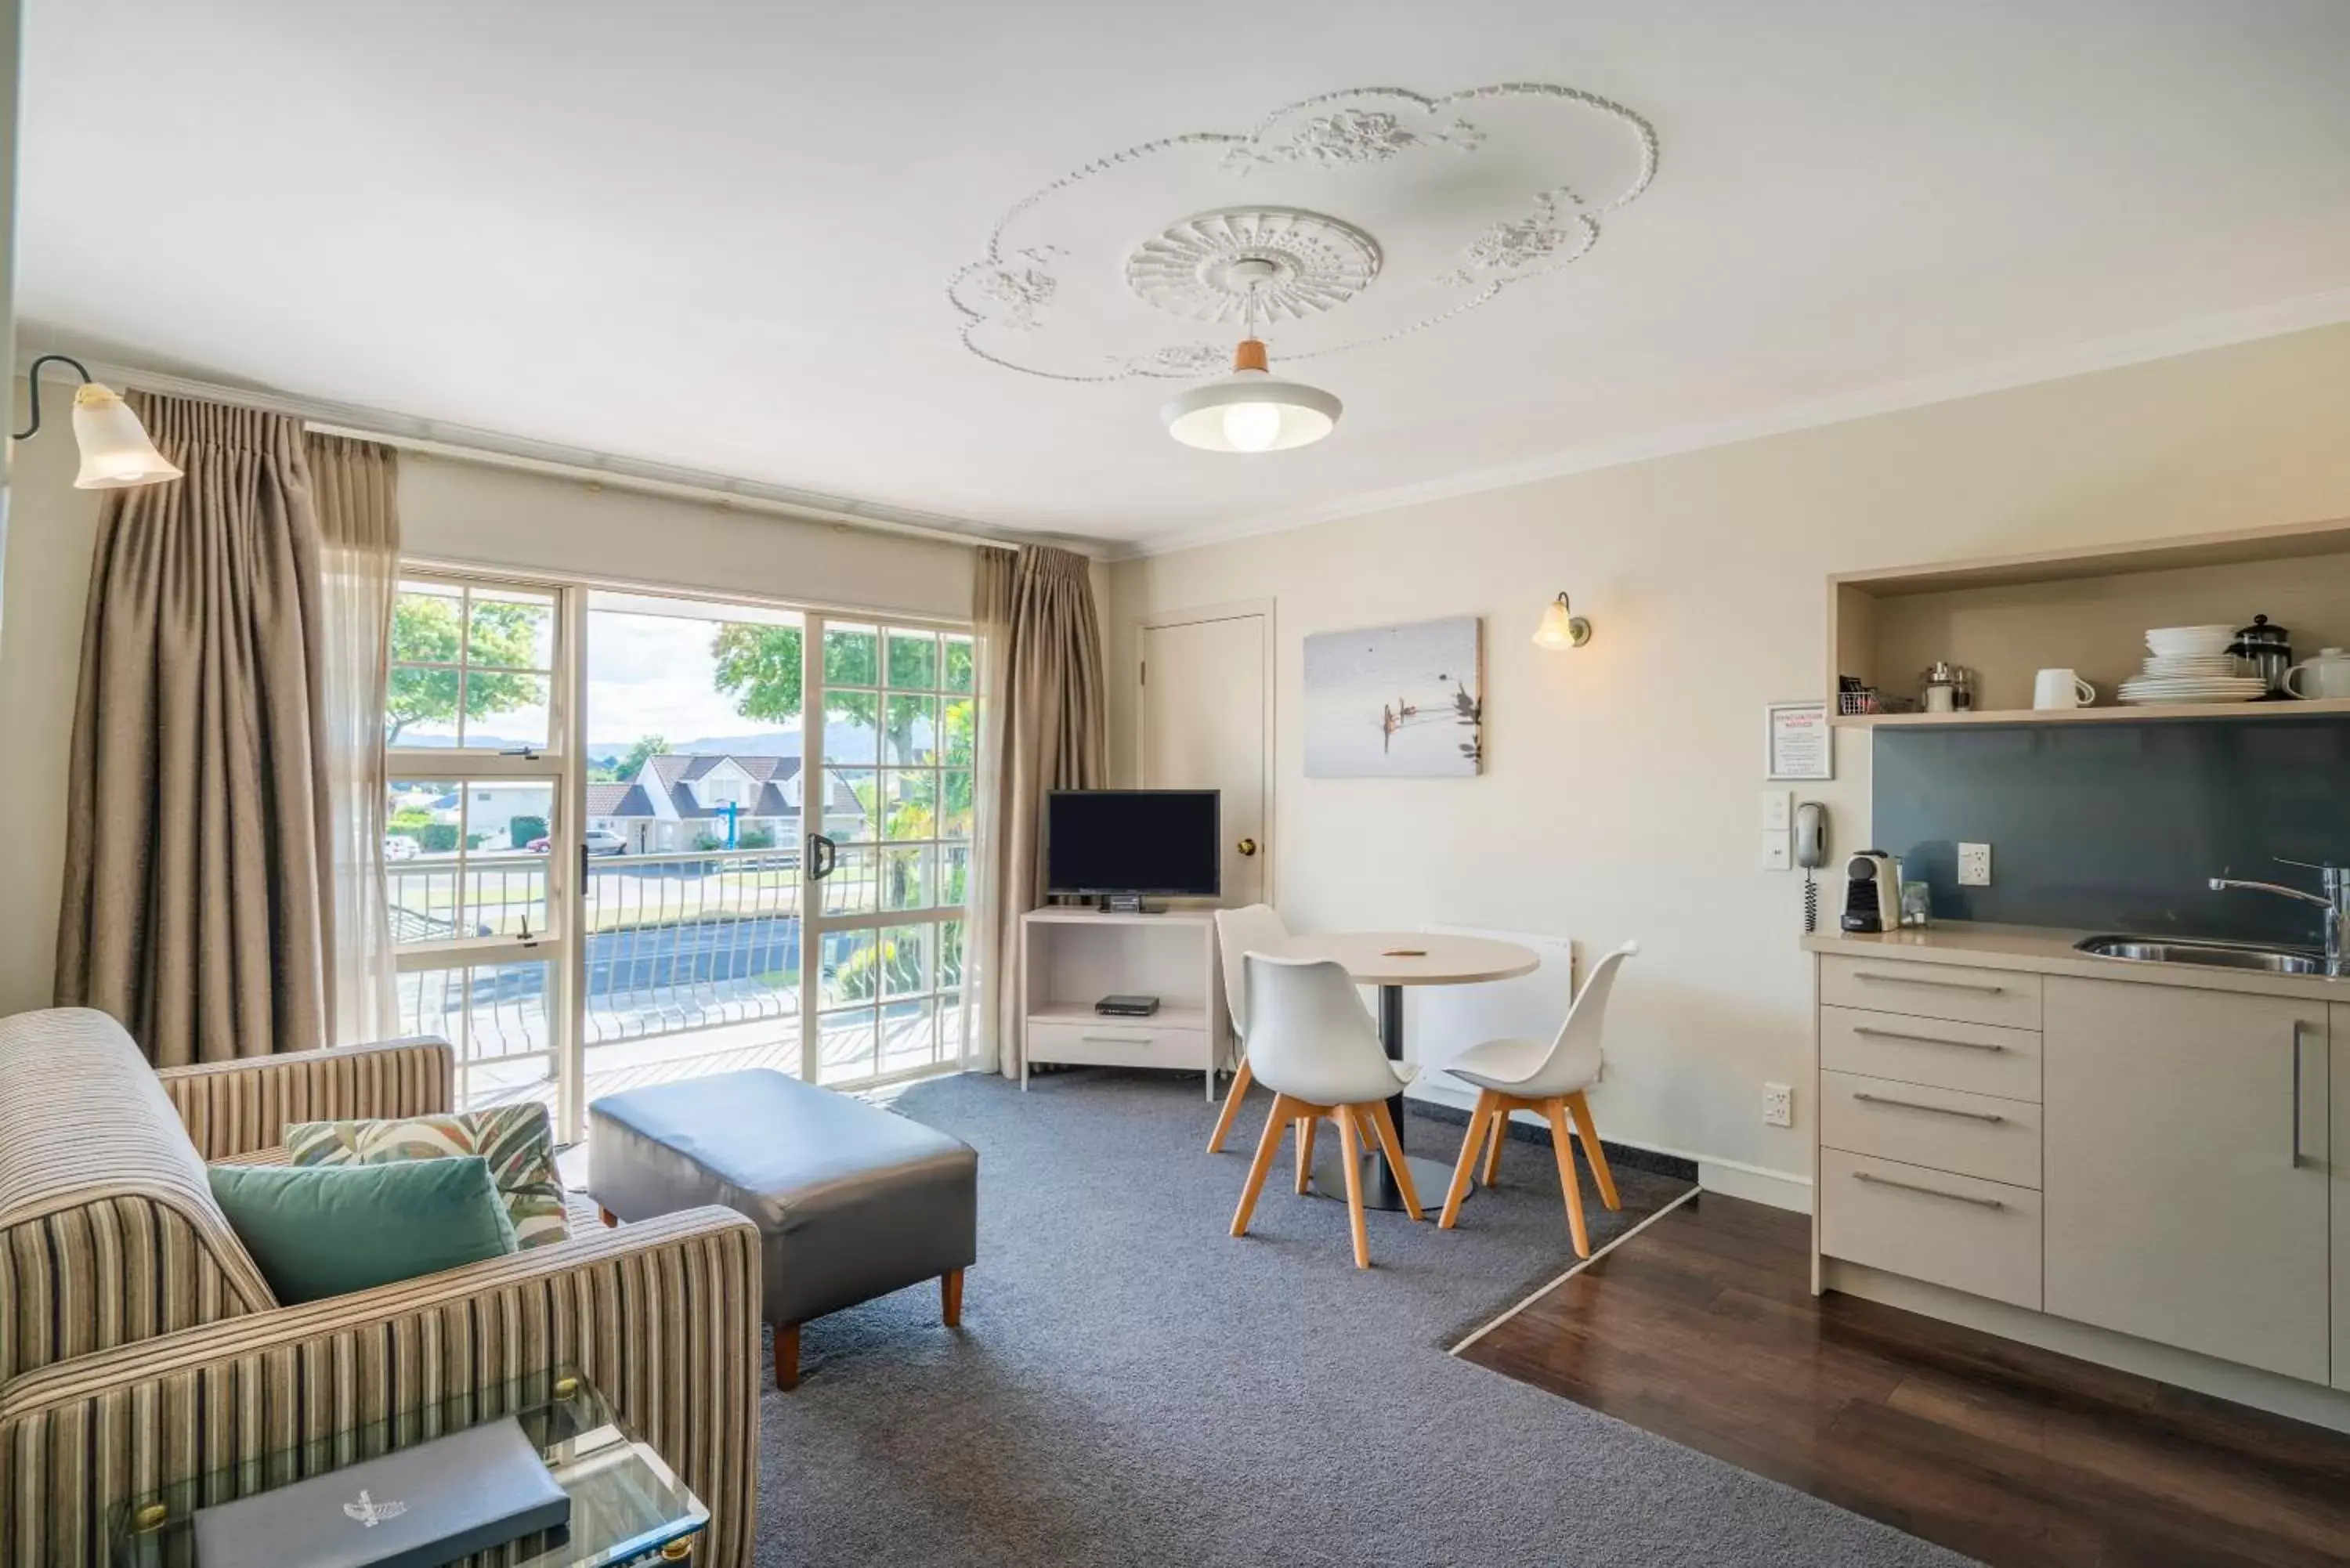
(1072, 958)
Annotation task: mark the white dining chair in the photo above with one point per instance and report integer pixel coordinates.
(1549, 1080)
(1316, 1047)
(1237, 932)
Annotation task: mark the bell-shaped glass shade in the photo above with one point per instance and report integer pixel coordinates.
(1561, 627)
(115, 451)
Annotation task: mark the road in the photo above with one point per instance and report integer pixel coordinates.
(664, 957)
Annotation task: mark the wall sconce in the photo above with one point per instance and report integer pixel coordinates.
(1561, 627)
(115, 452)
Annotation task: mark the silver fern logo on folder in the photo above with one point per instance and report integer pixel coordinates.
(370, 1513)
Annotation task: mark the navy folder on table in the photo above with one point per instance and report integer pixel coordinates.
(415, 1508)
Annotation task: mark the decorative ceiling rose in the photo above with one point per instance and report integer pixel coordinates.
(1469, 194)
(1294, 263)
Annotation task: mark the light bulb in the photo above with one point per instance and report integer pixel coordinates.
(1253, 427)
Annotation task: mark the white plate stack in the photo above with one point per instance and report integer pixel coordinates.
(2192, 664)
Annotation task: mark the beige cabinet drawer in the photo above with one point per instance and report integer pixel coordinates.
(1917, 1124)
(2000, 996)
(1113, 1042)
(1979, 1058)
(1981, 1237)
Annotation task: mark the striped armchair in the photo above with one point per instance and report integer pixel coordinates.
(139, 1344)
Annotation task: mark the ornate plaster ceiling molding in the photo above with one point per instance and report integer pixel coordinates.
(1360, 217)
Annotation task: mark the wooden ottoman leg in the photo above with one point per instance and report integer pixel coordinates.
(951, 1298)
(606, 1216)
(788, 1357)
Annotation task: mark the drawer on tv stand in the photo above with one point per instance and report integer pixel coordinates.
(1104, 1042)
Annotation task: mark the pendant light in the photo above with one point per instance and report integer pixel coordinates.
(1249, 410)
(115, 452)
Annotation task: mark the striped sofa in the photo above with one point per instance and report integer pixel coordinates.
(139, 1346)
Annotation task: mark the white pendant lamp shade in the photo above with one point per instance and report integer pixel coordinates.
(1249, 410)
(115, 452)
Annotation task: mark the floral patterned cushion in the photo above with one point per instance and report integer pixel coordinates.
(516, 1140)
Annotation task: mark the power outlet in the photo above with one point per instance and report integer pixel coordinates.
(1974, 865)
(1778, 1106)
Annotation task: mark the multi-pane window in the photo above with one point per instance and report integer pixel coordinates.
(472, 668)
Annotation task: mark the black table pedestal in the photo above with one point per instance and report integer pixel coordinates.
(1430, 1178)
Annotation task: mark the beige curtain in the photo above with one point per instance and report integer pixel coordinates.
(1043, 726)
(354, 486)
(196, 838)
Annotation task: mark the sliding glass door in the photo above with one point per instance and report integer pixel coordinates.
(895, 738)
(637, 837)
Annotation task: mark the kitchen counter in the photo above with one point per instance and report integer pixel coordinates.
(2048, 949)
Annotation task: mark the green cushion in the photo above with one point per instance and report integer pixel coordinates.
(330, 1230)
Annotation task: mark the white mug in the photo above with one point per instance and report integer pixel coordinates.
(2061, 689)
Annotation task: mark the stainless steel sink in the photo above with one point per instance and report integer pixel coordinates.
(2217, 955)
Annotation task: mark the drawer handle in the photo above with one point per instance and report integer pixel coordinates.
(1113, 1040)
(1929, 1191)
(1922, 1106)
(1975, 985)
(1928, 1039)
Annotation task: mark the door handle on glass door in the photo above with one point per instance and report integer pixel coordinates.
(1246, 847)
(823, 855)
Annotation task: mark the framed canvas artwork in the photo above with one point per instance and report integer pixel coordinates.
(1396, 701)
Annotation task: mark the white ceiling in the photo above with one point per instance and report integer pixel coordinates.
(720, 236)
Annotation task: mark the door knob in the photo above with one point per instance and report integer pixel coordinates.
(1246, 847)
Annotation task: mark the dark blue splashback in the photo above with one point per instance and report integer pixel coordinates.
(2118, 826)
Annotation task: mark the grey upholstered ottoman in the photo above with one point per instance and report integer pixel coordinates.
(851, 1201)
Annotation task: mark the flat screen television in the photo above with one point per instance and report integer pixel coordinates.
(1124, 842)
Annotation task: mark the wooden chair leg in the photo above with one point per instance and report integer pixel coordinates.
(788, 1357)
(1580, 1109)
(1383, 1124)
(1555, 1112)
(1276, 1122)
(1480, 1122)
(1353, 1153)
(606, 1216)
(1306, 1129)
(1241, 1079)
(1501, 1132)
(951, 1298)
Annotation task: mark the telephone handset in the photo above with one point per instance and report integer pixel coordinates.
(1810, 835)
(1811, 853)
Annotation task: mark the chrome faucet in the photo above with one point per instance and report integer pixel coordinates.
(2334, 902)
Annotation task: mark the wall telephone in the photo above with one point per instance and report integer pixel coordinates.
(1811, 827)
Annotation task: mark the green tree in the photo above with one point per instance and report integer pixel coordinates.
(760, 668)
(425, 630)
(621, 769)
(521, 832)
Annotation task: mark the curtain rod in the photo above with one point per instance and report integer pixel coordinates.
(466, 444)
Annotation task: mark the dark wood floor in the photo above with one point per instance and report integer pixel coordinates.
(1703, 1328)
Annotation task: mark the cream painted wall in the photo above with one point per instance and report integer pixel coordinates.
(472, 513)
(1621, 791)
(449, 510)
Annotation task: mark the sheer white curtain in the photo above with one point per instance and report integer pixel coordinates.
(356, 485)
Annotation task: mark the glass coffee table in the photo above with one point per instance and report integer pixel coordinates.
(627, 1505)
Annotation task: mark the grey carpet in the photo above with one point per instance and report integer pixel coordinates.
(1131, 1386)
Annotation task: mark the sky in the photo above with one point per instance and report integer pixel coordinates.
(650, 675)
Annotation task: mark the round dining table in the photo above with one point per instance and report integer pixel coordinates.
(1391, 960)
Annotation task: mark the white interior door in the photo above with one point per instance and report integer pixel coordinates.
(1206, 702)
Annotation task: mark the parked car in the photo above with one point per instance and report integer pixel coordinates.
(400, 846)
(599, 841)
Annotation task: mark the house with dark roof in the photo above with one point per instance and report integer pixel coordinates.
(680, 801)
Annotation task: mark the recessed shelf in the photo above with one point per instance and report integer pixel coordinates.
(2087, 610)
(2164, 711)
(1171, 1016)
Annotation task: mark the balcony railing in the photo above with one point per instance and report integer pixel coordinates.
(690, 940)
